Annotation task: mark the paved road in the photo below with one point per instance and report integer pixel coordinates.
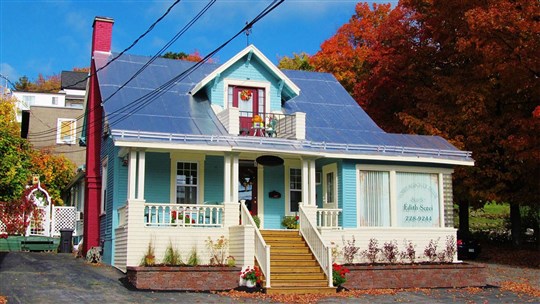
(60, 278)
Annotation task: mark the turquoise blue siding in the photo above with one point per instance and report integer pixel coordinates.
(157, 178)
(347, 190)
(213, 179)
(240, 71)
(106, 221)
(274, 208)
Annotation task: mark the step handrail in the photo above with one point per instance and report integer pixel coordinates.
(262, 250)
(320, 250)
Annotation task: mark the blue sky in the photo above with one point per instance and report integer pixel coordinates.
(50, 36)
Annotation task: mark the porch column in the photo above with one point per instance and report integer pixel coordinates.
(132, 175)
(312, 183)
(141, 175)
(234, 177)
(227, 178)
(305, 182)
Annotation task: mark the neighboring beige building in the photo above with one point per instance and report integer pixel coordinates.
(57, 129)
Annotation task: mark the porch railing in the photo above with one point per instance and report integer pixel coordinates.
(322, 253)
(328, 218)
(262, 250)
(185, 215)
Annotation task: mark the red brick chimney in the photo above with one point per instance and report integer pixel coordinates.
(102, 35)
(101, 42)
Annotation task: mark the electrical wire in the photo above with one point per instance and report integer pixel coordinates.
(51, 132)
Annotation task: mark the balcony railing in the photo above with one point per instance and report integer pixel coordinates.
(267, 124)
(176, 215)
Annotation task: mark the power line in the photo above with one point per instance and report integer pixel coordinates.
(175, 38)
(145, 100)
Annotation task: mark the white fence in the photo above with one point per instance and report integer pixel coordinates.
(50, 223)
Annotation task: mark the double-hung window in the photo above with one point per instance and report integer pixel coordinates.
(295, 189)
(374, 198)
(186, 182)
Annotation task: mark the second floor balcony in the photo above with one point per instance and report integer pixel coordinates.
(278, 125)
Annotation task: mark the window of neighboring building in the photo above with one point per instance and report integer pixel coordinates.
(66, 131)
(374, 198)
(295, 189)
(55, 100)
(186, 182)
(29, 100)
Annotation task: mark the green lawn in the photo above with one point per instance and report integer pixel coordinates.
(490, 220)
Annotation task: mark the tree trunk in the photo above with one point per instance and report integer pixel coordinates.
(464, 219)
(515, 220)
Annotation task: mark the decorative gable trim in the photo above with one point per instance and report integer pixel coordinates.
(250, 51)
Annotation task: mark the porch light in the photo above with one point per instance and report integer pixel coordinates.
(270, 160)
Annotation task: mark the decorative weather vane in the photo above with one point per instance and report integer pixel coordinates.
(247, 32)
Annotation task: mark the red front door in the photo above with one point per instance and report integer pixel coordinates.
(247, 101)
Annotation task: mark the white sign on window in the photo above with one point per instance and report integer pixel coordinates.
(418, 199)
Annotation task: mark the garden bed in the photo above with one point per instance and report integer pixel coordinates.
(454, 275)
(184, 278)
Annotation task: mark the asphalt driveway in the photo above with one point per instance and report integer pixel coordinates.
(27, 277)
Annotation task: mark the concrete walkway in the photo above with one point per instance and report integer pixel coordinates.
(61, 278)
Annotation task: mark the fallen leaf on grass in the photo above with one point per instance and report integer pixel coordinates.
(3, 300)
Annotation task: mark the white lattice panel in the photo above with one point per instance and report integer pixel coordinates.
(39, 225)
(63, 218)
(2, 227)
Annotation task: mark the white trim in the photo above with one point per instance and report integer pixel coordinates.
(226, 147)
(140, 175)
(235, 172)
(250, 48)
(260, 198)
(199, 159)
(330, 168)
(392, 170)
(73, 131)
(290, 164)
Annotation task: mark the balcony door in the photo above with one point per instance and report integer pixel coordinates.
(250, 102)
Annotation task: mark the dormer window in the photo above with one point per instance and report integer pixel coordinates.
(250, 102)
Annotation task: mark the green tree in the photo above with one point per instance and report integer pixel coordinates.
(14, 153)
(297, 62)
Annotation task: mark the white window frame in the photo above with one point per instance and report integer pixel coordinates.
(250, 84)
(393, 188)
(290, 190)
(59, 139)
(54, 100)
(104, 167)
(177, 157)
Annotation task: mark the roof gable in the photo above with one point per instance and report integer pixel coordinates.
(250, 51)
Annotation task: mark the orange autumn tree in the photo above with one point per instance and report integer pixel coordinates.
(464, 70)
(48, 84)
(55, 171)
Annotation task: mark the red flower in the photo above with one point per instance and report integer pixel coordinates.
(297, 217)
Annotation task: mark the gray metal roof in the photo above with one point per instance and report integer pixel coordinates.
(334, 121)
(73, 80)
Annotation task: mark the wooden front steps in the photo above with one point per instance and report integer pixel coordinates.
(293, 268)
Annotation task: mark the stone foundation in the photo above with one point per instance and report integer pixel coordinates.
(198, 278)
(416, 276)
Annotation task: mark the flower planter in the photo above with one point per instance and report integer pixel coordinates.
(40, 243)
(12, 243)
(415, 276)
(184, 278)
